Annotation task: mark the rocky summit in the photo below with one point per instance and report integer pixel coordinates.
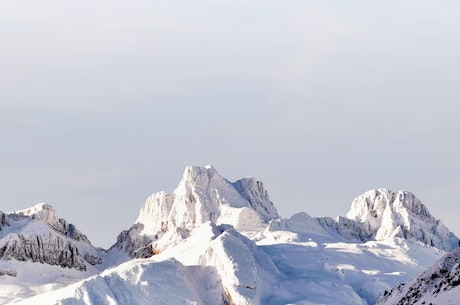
(38, 235)
(203, 195)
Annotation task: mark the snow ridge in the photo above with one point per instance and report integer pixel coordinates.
(440, 284)
(44, 212)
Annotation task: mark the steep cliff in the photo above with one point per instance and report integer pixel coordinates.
(38, 235)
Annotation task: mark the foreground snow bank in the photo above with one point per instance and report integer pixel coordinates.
(137, 282)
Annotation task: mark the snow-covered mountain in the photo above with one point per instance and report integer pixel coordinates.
(382, 214)
(38, 249)
(202, 195)
(385, 214)
(440, 284)
(38, 235)
(212, 241)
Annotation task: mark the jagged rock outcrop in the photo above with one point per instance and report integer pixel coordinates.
(202, 195)
(254, 192)
(38, 235)
(344, 227)
(134, 243)
(49, 249)
(93, 259)
(382, 214)
(440, 284)
(3, 221)
(46, 213)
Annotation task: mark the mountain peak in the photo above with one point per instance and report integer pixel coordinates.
(386, 214)
(41, 211)
(203, 195)
(36, 234)
(200, 176)
(35, 208)
(206, 179)
(376, 201)
(192, 170)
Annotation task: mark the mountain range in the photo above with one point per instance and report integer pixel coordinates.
(212, 241)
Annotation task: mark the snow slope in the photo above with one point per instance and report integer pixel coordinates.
(135, 282)
(440, 284)
(217, 268)
(212, 241)
(218, 265)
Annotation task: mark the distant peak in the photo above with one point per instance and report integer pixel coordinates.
(42, 211)
(376, 202)
(201, 176)
(386, 214)
(193, 171)
(40, 207)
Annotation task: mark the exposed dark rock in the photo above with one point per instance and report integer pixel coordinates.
(93, 259)
(48, 249)
(133, 243)
(38, 235)
(8, 272)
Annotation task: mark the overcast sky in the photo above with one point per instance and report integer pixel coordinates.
(105, 102)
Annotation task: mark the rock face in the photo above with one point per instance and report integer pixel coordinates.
(254, 192)
(440, 284)
(382, 214)
(38, 235)
(49, 249)
(202, 196)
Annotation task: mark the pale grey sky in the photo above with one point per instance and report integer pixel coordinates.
(105, 102)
